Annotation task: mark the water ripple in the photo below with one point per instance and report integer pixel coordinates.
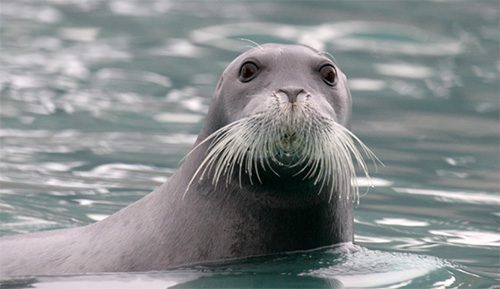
(130, 75)
(468, 238)
(454, 196)
(353, 35)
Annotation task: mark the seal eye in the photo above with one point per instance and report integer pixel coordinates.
(328, 73)
(248, 71)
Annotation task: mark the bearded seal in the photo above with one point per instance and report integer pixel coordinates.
(271, 171)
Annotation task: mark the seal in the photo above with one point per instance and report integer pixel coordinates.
(271, 171)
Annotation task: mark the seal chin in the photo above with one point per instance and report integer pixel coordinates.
(293, 137)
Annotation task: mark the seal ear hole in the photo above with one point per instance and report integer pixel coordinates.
(329, 74)
(248, 71)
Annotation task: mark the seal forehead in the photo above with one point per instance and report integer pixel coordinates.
(274, 51)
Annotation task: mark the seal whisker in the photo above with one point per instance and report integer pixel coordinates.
(322, 149)
(329, 55)
(252, 42)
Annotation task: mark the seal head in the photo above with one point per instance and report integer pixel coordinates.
(281, 111)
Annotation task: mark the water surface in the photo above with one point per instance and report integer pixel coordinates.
(100, 100)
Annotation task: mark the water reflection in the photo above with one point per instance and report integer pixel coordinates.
(101, 99)
(454, 197)
(357, 35)
(468, 238)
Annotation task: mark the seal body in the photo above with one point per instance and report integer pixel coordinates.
(226, 202)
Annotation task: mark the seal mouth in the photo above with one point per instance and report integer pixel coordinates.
(316, 147)
(288, 141)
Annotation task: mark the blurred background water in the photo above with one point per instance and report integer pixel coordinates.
(100, 100)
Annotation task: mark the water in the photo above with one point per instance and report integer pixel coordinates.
(100, 100)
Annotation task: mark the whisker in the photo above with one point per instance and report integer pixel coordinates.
(319, 146)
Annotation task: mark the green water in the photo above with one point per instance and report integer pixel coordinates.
(100, 100)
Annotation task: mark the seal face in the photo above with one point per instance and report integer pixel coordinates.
(286, 111)
(270, 172)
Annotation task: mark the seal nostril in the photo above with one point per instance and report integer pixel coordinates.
(292, 93)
